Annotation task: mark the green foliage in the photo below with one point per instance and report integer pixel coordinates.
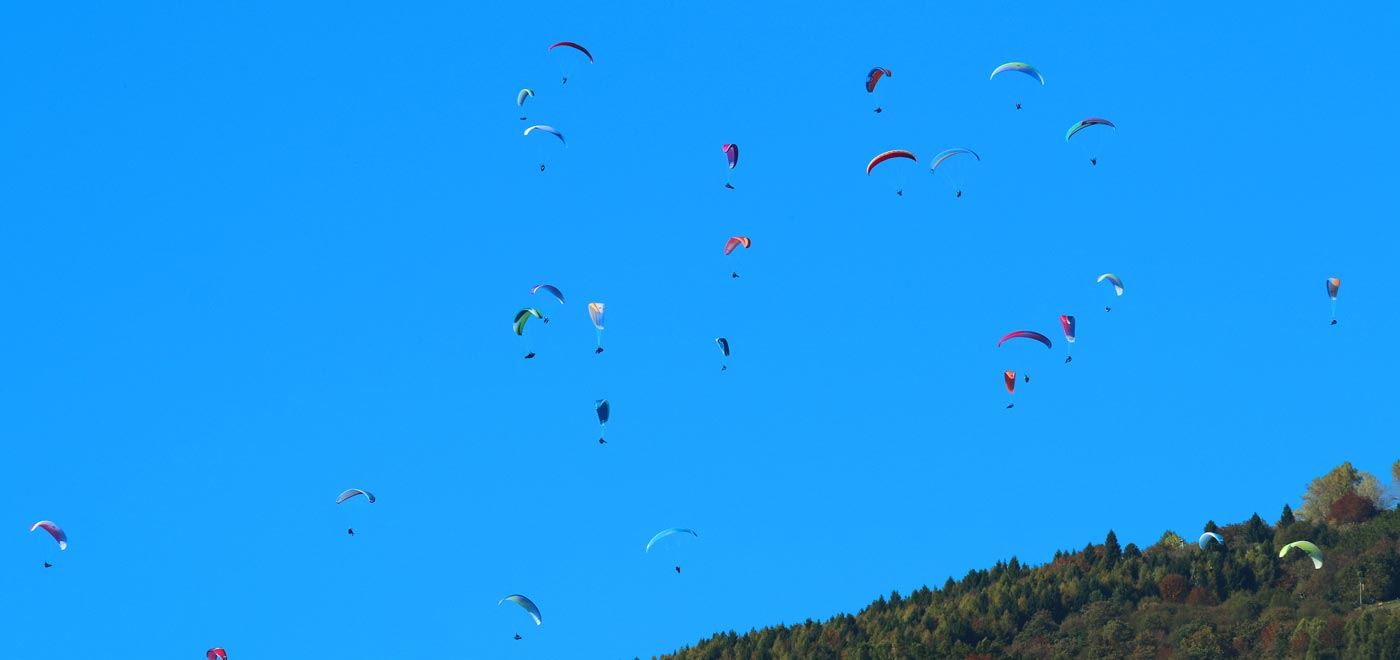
(1174, 600)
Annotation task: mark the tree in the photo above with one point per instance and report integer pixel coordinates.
(1172, 587)
(1257, 531)
(1332, 486)
(1210, 526)
(1112, 552)
(1351, 508)
(1287, 518)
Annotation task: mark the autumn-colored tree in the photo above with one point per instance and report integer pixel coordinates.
(1351, 508)
(1199, 596)
(1172, 586)
(1330, 487)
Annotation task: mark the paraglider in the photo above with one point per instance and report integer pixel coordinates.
(604, 411)
(352, 492)
(1205, 539)
(527, 604)
(1091, 150)
(1117, 286)
(895, 153)
(1332, 285)
(731, 154)
(546, 129)
(671, 531)
(1067, 323)
(575, 46)
(723, 348)
(548, 288)
(520, 98)
(1010, 377)
(54, 530)
(1313, 552)
(216, 653)
(872, 79)
(957, 175)
(595, 312)
(1026, 334)
(734, 242)
(1020, 67)
(519, 325)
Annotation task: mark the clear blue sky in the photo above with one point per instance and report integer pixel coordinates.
(251, 256)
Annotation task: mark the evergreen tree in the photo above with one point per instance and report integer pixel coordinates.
(1112, 552)
(1287, 518)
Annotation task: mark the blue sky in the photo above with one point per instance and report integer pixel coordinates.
(251, 256)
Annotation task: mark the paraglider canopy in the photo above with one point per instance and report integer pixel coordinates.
(1092, 121)
(349, 493)
(895, 153)
(1332, 285)
(524, 94)
(736, 241)
(1010, 377)
(595, 312)
(548, 129)
(731, 153)
(873, 78)
(1067, 322)
(723, 345)
(949, 153)
(1021, 67)
(1205, 539)
(669, 532)
(604, 411)
(1313, 552)
(548, 288)
(216, 653)
(525, 603)
(54, 530)
(1026, 334)
(521, 316)
(1117, 283)
(571, 44)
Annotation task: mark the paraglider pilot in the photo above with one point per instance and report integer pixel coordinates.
(350, 531)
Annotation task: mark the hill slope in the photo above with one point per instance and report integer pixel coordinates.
(1171, 600)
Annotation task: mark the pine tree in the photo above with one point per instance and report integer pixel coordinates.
(1287, 518)
(1112, 552)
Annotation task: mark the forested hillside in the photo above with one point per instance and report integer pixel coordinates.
(1173, 599)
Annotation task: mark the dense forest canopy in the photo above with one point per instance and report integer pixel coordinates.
(1177, 598)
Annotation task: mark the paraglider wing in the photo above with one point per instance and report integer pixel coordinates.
(731, 153)
(520, 318)
(1313, 552)
(736, 241)
(1092, 121)
(604, 411)
(1067, 322)
(1205, 539)
(872, 78)
(1026, 334)
(216, 653)
(896, 153)
(547, 129)
(1019, 66)
(571, 44)
(945, 155)
(1010, 381)
(595, 312)
(526, 603)
(668, 532)
(1117, 283)
(349, 493)
(54, 530)
(723, 345)
(551, 289)
(1332, 285)
(524, 94)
